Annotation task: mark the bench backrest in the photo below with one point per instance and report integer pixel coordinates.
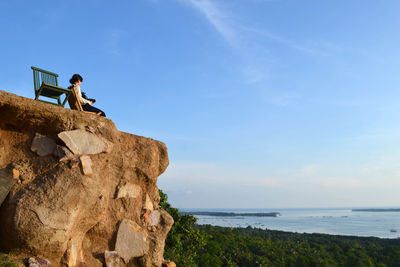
(74, 103)
(43, 76)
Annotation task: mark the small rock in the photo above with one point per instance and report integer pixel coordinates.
(144, 211)
(129, 191)
(154, 218)
(15, 173)
(145, 218)
(90, 129)
(82, 142)
(148, 204)
(168, 264)
(73, 162)
(86, 165)
(109, 146)
(112, 259)
(131, 240)
(151, 228)
(43, 145)
(62, 153)
(38, 262)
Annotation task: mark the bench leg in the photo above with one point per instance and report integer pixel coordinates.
(38, 94)
(66, 98)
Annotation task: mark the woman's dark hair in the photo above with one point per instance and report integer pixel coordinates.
(75, 78)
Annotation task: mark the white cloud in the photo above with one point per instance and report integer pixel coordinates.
(113, 40)
(248, 41)
(255, 67)
(221, 21)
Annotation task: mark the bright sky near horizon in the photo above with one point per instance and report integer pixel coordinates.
(261, 103)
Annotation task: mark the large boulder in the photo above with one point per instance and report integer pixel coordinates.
(70, 207)
(132, 240)
(82, 142)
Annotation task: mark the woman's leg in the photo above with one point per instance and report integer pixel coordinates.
(90, 108)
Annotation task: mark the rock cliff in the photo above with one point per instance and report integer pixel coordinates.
(75, 190)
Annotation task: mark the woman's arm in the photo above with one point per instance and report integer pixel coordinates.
(81, 99)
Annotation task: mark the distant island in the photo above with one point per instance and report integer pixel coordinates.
(377, 210)
(232, 214)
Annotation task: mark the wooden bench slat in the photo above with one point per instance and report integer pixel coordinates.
(46, 85)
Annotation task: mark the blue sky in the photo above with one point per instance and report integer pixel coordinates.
(261, 103)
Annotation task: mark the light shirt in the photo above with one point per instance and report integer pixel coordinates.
(81, 99)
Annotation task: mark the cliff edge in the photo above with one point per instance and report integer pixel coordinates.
(75, 190)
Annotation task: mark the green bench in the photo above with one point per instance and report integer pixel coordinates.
(46, 85)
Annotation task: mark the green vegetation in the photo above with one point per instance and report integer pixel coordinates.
(183, 241)
(256, 247)
(7, 261)
(189, 244)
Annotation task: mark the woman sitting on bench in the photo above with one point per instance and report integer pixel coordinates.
(76, 82)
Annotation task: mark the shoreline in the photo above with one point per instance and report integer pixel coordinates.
(376, 210)
(232, 214)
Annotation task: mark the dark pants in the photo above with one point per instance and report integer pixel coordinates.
(88, 107)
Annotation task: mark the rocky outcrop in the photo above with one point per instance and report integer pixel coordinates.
(78, 190)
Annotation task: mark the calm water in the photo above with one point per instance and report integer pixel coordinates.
(340, 221)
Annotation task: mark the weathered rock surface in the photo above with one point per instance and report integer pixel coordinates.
(86, 165)
(16, 174)
(6, 182)
(154, 218)
(168, 264)
(148, 203)
(157, 239)
(129, 191)
(38, 262)
(62, 153)
(112, 259)
(56, 211)
(43, 145)
(82, 142)
(132, 240)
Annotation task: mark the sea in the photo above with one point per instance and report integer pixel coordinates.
(334, 221)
